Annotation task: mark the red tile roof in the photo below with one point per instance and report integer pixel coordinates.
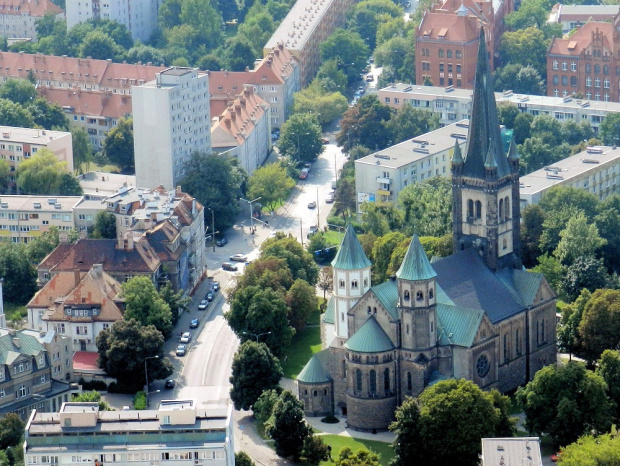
(275, 67)
(32, 7)
(238, 120)
(224, 86)
(581, 40)
(92, 103)
(449, 27)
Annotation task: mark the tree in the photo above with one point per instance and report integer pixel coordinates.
(5, 175)
(349, 49)
(254, 311)
(18, 91)
(599, 328)
(532, 218)
(92, 396)
(11, 431)
(578, 239)
(105, 225)
(427, 206)
(608, 368)
(407, 430)
(144, 304)
(609, 131)
(82, 150)
(519, 79)
(123, 349)
(507, 112)
(271, 183)
(20, 277)
(608, 223)
(287, 426)
(409, 122)
(177, 302)
(560, 197)
(69, 185)
(584, 273)
(369, 14)
(314, 450)
(326, 280)
(397, 55)
(215, 181)
(242, 458)
(118, 145)
(365, 124)
(382, 251)
(592, 450)
(263, 407)
(381, 217)
(239, 53)
(254, 370)
(521, 130)
(345, 199)
(535, 154)
(568, 330)
(13, 114)
(316, 100)
(100, 46)
(300, 138)
(41, 173)
(48, 115)
(301, 301)
(299, 261)
(554, 223)
(531, 13)
(565, 402)
(201, 16)
(266, 272)
(361, 457)
(330, 77)
(525, 47)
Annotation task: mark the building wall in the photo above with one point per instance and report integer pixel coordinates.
(431, 57)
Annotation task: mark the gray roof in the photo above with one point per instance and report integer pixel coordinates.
(387, 294)
(466, 282)
(415, 265)
(351, 255)
(314, 371)
(370, 338)
(328, 317)
(13, 345)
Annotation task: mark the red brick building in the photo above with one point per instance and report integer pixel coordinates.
(448, 37)
(587, 63)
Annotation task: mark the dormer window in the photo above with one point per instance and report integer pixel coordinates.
(406, 295)
(419, 296)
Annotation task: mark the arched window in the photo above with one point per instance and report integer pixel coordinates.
(419, 296)
(458, 54)
(430, 293)
(478, 210)
(406, 296)
(440, 53)
(407, 329)
(386, 379)
(501, 210)
(505, 346)
(374, 310)
(341, 283)
(325, 391)
(449, 53)
(306, 392)
(354, 285)
(369, 310)
(365, 282)
(470, 208)
(315, 393)
(505, 243)
(409, 382)
(507, 208)
(517, 343)
(358, 380)
(372, 383)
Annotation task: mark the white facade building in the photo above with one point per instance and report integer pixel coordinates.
(171, 120)
(140, 16)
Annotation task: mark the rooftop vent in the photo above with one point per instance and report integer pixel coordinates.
(407, 88)
(52, 201)
(459, 136)
(37, 205)
(449, 89)
(382, 156)
(4, 205)
(585, 104)
(421, 150)
(57, 205)
(594, 150)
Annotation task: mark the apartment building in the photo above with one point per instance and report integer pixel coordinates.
(574, 16)
(448, 37)
(25, 376)
(18, 144)
(176, 434)
(78, 306)
(140, 16)
(380, 177)
(586, 63)
(303, 29)
(597, 170)
(18, 18)
(97, 112)
(455, 104)
(243, 131)
(171, 121)
(59, 351)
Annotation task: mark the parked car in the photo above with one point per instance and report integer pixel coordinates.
(303, 174)
(330, 198)
(170, 383)
(308, 166)
(194, 323)
(209, 296)
(239, 258)
(312, 205)
(203, 305)
(325, 140)
(230, 267)
(186, 337)
(181, 350)
(222, 242)
(215, 286)
(314, 229)
(369, 78)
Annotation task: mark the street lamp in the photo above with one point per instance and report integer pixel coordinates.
(146, 374)
(251, 210)
(212, 228)
(256, 335)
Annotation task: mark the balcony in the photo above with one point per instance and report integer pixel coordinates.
(383, 180)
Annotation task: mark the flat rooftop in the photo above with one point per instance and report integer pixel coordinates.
(177, 71)
(30, 135)
(105, 184)
(517, 450)
(420, 147)
(566, 170)
(79, 407)
(39, 203)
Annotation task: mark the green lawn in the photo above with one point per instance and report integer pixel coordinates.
(333, 236)
(384, 450)
(10, 308)
(93, 167)
(305, 343)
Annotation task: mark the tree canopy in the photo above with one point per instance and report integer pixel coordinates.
(346, 46)
(144, 304)
(17, 272)
(300, 138)
(118, 145)
(287, 426)
(41, 173)
(271, 183)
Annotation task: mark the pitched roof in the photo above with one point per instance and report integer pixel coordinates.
(328, 317)
(351, 255)
(314, 371)
(484, 141)
(582, 39)
(239, 120)
(370, 338)
(448, 27)
(55, 256)
(415, 265)
(162, 237)
(275, 67)
(91, 103)
(457, 325)
(33, 8)
(387, 294)
(224, 87)
(14, 344)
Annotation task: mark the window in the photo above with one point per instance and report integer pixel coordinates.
(517, 343)
(597, 69)
(606, 83)
(588, 68)
(449, 53)
(573, 81)
(564, 80)
(482, 366)
(354, 285)
(556, 79)
(406, 296)
(501, 210)
(430, 296)
(605, 69)
(419, 296)
(507, 207)
(409, 382)
(478, 209)
(505, 347)
(440, 53)
(372, 382)
(441, 67)
(470, 208)
(564, 66)
(341, 283)
(573, 66)
(588, 81)
(458, 54)
(358, 380)
(43, 379)
(555, 64)
(386, 379)
(597, 82)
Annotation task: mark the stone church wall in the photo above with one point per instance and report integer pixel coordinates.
(370, 414)
(512, 375)
(337, 371)
(317, 398)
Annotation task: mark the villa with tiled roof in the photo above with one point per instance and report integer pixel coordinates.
(476, 314)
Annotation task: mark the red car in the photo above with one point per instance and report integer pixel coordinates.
(303, 174)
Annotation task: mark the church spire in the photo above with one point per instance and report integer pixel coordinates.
(457, 156)
(351, 255)
(415, 265)
(484, 142)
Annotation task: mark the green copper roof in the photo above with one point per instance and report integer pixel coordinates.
(314, 371)
(328, 317)
(12, 346)
(512, 150)
(415, 265)
(387, 294)
(456, 325)
(370, 338)
(350, 256)
(527, 284)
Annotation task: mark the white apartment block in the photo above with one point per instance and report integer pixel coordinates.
(178, 433)
(18, 144)
(597, 170)
(171, 120)
(18, 18)
(380, 177)
(455, 104)
(140, 16)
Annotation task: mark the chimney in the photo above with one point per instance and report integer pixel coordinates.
(129, 241)
(98, 270)
(121, 242)
(76, 277)
(178, 191)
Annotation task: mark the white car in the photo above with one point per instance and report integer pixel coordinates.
(186, 337)
(239, 258)
(203, 305)
(330, 198)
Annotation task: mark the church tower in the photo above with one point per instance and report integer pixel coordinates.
(351, 279)
(486, 207)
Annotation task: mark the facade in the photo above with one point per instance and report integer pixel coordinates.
(597, 170)
(586, 63)
(380, 177)
(77, 306)
(243, 130)
(171, 120)
(523, 450)
(18, 18)
(455, 104)
(448, 38)
(574, 16)
(308, 23)
(26, 376)
(17, 144)
(176, 434)
(140, 16)
(59, 351)
(476, 314)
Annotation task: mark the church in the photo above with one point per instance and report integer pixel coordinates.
(477, 314)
